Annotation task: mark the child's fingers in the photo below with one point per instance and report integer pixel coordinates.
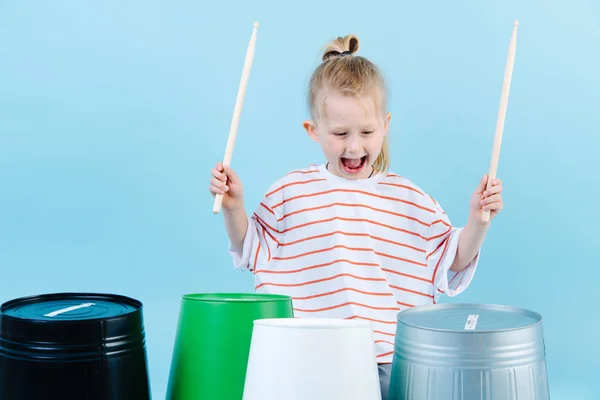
(491, 199)
(216, 183)
(231, 175)
(496, 206)
(215, 190)
(219, 175)
(482, 184)
(493, 190)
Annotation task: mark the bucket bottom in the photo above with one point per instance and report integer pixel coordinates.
(120, 378)
(421, 382)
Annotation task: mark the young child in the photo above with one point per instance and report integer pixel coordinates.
(348, 239)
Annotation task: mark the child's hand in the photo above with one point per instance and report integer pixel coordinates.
(225, 182)
(487, 199)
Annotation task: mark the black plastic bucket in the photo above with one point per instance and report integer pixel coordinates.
(73, 346)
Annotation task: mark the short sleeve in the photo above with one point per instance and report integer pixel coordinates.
(442, 245)
(262, 236)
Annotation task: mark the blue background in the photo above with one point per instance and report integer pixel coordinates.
(112, 114)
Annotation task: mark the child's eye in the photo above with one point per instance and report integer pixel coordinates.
(367, 132)
(339, 133)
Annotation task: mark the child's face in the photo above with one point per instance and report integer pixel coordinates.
(351, 134)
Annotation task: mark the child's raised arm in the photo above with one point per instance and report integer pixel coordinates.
(226, 183)
(486, 198)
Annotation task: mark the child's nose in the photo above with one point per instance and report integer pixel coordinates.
(354, 144)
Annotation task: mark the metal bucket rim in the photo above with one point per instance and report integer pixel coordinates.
(137, 304)
(234, 297)
(485, 306)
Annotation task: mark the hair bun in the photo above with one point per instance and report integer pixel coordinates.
(341, 46)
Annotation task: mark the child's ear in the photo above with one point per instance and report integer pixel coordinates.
(311, 130)
(386, 122)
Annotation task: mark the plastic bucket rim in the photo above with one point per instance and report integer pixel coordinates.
(311, 323)
(137, 304)
(234, 297)
(486, 306)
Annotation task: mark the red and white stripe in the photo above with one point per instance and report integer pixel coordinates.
(362, 249)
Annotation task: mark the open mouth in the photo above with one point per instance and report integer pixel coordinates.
(354, 165)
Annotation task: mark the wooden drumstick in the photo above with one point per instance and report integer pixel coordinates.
(237, 110)
(510, 60)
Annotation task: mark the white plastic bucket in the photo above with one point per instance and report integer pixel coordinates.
(316, 359)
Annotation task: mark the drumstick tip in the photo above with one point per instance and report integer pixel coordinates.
(516, 22)
(255, 25)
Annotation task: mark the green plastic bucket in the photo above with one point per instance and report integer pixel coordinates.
(212, 343)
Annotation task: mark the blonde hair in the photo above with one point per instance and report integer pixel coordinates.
(350, 75)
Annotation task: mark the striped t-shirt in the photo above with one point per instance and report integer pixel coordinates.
(355, 249)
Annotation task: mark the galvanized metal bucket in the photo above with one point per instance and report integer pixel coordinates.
(469, 352)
